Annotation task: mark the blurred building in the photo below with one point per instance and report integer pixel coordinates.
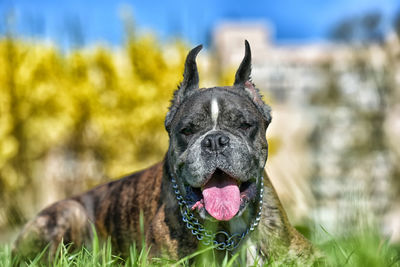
(289, 72)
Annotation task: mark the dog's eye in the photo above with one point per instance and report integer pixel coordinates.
(186, 131)
(245, 126)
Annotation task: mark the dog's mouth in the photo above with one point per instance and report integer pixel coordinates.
(222, 196)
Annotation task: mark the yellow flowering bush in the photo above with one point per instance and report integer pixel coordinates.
(97, 105)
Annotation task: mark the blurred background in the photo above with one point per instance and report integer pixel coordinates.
(85, 86)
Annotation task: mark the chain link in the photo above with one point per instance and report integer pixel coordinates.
(208, 237)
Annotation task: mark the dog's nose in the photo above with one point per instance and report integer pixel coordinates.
(215, 142)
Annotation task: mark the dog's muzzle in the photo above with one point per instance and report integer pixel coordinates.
(220, 239)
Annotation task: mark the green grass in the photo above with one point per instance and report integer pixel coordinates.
(362, 246)
(360, 249)
(101, 255)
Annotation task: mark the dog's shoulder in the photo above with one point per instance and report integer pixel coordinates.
(124, 199)
(136, 182)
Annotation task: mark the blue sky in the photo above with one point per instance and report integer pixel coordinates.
(100, 21)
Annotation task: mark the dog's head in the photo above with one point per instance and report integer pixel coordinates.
(218, 147)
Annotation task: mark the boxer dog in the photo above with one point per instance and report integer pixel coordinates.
(210, 188)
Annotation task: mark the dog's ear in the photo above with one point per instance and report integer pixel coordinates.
(244, 70)
(243, 82)
(189, 84)
(190, 74)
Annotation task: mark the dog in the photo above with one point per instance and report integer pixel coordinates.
(212, 177)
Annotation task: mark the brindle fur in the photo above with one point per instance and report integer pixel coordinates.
(114, 209)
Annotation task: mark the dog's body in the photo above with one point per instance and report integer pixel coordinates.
(114, 209)
(213, 174)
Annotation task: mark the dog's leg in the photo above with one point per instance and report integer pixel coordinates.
(277, 236)
(65, 221)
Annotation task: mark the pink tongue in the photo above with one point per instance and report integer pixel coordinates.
(222, 198)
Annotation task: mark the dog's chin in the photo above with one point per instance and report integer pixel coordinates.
(222, 196)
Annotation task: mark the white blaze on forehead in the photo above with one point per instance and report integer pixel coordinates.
(214, 111)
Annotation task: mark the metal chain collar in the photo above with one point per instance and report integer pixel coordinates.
(208, 237)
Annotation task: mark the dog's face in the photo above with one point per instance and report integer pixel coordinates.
(218, 147)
